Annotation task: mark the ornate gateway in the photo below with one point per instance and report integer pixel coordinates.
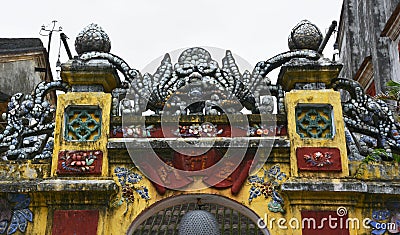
(198, 146)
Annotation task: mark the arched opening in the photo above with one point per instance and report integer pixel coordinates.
(164, 216)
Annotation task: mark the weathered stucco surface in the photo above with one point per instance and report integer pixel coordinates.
(361, 25)
(18, 76)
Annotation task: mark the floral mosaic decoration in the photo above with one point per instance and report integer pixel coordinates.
(80, 162)
(261, 130)
(132, 131)
(14, 213)
(318, 159)
(268, 185)
(197, 130)
(129, 182)
(386, 221)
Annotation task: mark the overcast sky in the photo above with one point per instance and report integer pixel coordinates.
(141, 31)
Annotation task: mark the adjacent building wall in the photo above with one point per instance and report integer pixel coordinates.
(361, 25)
(23, 62)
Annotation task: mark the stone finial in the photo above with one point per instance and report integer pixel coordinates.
(92, 38)
(305, 35)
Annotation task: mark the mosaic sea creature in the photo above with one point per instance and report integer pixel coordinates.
(212, 86)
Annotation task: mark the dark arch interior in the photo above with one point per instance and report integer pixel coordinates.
(164, 219)
(167, 221)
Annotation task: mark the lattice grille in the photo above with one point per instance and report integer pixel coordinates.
(82, 123)
(314, 121)
(167, 221)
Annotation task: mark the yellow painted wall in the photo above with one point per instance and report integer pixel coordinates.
(117, 220)
(328, 96)
(103, 100)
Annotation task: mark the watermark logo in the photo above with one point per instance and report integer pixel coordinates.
(341, 211)
(325, 220)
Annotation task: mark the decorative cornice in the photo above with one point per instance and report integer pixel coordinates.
(331, 185)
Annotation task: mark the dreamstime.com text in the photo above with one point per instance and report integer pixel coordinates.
(331, 222)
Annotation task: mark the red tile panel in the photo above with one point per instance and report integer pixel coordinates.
(324, 222)
(318, 159)
(77, 222)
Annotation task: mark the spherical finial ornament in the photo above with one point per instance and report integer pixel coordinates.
(198, 222)
(305, 35)
(92, 38)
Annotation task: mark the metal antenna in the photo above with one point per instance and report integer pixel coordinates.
(48, 31)
(58, 63)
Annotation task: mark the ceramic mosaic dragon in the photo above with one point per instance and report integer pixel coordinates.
(369, 117)
(28, 134)
(195, 65)
(30, 124)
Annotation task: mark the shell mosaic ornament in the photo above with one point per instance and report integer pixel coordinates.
(261, 130)
(129, 184)
(30, 124)
(79, 162)
(14, 213)
(389, 216)
(305, 35)
(29, 113)
(195, 66)
(92, 38)
(268, 186)
(197, 130)
(372, 117)
(380, 217)
(318, 159)
(131, 131)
